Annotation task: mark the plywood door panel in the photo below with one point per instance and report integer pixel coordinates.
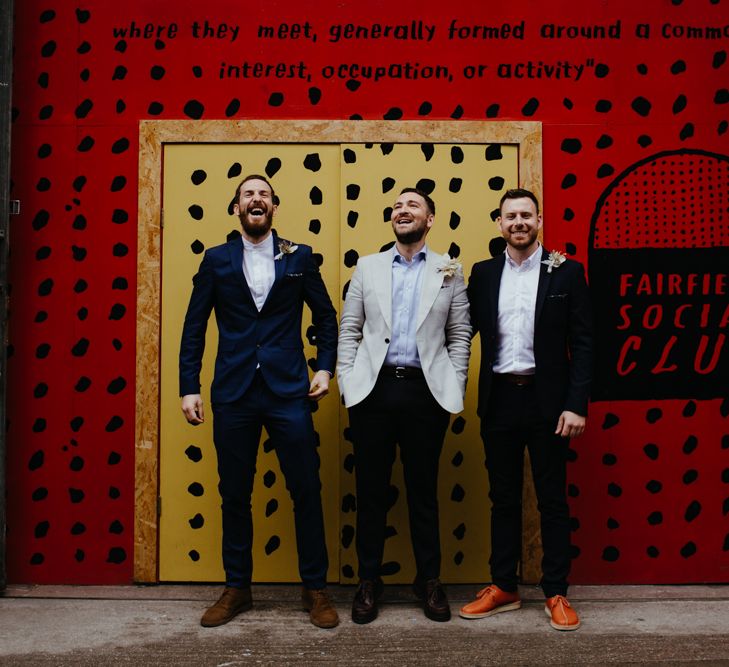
(357, 183)
(466, 182)
(199, 184)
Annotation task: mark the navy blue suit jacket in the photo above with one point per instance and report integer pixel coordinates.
(270, 338)
(563, 346)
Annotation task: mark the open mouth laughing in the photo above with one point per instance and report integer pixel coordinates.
(256, 212)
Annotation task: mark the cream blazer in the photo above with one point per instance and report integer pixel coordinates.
(443, 329)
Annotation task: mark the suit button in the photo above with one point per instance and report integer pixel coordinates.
(387, 340)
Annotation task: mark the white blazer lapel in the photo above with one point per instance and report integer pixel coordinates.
(432, 281)
(383, 285)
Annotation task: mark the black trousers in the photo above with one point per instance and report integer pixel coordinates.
(237, 432)
(398, 411)
(512, 421)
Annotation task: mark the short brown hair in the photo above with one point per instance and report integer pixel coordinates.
(519, 193)
(425, 196)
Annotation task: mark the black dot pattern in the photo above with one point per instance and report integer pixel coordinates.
(421, 163)
(73, 270)
(667, 180)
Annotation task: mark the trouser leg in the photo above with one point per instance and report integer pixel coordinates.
(290, 427)
(548, 455)
(504, 438)
(422, 428)
(373, 436)
(236, 432)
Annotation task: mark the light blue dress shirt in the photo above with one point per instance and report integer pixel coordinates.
(407, 281)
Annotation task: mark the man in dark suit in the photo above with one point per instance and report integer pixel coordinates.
(532, 309)
(257, 286)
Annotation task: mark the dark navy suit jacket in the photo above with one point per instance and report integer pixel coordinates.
(562, 334)
(248, 338)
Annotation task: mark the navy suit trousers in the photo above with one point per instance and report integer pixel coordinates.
(237, 432)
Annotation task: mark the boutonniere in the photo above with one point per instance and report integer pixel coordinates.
(554, 261)
(450, 267)
(285, 248)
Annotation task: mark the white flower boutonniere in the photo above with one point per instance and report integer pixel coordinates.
(285, 248)
(450, 267)
(554, 261)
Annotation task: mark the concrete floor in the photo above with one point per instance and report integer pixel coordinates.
(159, 625)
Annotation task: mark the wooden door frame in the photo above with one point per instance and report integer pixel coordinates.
(153, 135)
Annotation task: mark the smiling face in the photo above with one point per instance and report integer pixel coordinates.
(255, 208)
(520, 223)
(411, 218)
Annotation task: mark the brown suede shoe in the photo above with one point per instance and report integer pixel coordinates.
(232, 602)
(321, 611)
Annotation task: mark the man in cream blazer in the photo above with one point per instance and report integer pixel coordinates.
(404, 344)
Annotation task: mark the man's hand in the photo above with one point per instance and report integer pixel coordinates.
(192, 408)
(319, 385)
(570, 425)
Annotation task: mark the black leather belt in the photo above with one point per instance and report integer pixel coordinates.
(516, 380)
(402, 372)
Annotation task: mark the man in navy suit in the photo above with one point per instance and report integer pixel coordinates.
(533, 312)
(257, 286)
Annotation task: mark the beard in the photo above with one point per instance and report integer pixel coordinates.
(410, 237)
(413, 235)
(256, 228)
(530, 237)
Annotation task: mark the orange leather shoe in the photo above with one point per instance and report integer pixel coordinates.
(489, 601)
(561, 615)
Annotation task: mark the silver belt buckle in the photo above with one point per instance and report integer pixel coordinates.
(400, 372)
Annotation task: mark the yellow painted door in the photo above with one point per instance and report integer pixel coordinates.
(466, 183)
(335, 198)
(199, 184)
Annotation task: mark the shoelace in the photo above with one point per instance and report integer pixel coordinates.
(319, 599)
(489, 590)
(435, 593)
(367, 593)
(562, 599)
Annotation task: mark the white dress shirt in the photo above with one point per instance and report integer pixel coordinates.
(517, 308)
(258, 268)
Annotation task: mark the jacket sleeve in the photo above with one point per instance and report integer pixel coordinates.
(580, 344)
(323, 316)
(473, 293)
(458, 331)
(192, 345)
(350, 328)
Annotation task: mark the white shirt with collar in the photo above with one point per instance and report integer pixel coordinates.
(517, 308)
(258, 268)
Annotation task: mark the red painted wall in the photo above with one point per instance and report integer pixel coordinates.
(649, 483)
